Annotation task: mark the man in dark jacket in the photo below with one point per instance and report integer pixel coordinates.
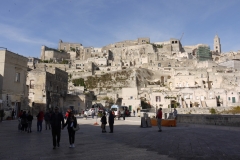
(56, 120)
(111, 121)
(104, 122)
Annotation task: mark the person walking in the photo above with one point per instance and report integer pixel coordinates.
(13, 114)
(159, 119)
(175, 114)
(23, 121)
(104, 122)
(111, 121)
(119, 115)
(124, 114)
(93, 113)
(47, 120)
(71, 122)
(29, 122)
(134, 113)
(57, 122)
(40, 120)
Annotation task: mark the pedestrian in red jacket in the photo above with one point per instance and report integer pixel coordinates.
(39, 121)
(159, 119)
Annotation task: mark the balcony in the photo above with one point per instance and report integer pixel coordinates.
(187, 87)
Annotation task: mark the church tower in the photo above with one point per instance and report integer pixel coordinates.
(216, 44)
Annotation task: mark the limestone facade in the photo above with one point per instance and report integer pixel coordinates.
(13, 90)
(164, 74)
(47, 88)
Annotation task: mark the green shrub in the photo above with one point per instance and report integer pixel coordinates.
(234, 110)
(213, 111)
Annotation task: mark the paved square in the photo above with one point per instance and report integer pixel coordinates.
(128, 141)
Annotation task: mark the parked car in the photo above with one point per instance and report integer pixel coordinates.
(88, 112)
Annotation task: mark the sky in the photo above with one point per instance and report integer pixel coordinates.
(26, 25)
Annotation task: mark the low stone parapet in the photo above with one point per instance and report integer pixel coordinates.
(223, 120)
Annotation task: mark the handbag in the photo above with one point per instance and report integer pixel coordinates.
(76, 128)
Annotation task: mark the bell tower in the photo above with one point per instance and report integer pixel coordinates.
(216, 44)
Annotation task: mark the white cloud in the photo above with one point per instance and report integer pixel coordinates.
(19, 35)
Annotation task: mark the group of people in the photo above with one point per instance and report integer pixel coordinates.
(57, 124)
(25, 121)
(54, 121)
(110, 121)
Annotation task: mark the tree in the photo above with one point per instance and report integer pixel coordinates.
(78, 82)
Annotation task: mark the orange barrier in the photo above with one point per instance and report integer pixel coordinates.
(165, 122)
(169, 122)
(154, 121)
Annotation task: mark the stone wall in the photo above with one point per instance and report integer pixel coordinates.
(223, 120)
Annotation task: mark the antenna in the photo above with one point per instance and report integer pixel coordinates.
(181, 36)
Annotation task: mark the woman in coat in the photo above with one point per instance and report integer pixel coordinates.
(71, 122)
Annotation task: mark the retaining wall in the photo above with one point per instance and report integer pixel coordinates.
(223, 120)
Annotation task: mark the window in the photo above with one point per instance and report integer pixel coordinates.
(32, 84)
(229, 98)
(158, 99)
(17, 78)
(131, 97)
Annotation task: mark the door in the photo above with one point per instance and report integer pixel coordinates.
(130, 108)
(233, 100)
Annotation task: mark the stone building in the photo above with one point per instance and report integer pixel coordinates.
(130, 98)
(47, 88)
(203, 53)
(66, 46)
(53, 55)
(32, 61)
(13, 72)
(217, 44)
(235, 63)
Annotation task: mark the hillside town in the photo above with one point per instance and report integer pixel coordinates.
(139, 74)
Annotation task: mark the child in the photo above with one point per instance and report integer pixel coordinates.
(104, 122)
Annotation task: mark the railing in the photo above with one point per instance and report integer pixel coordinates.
(187, 87)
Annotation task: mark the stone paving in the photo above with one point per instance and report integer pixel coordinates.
(128, 141)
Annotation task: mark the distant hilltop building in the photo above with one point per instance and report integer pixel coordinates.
(216, 44)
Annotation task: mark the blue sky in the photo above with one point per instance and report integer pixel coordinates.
(26, 25)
